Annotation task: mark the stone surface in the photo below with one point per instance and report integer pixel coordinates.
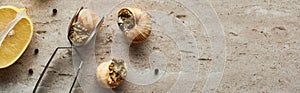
(262, 49)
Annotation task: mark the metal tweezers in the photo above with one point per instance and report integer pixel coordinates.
(74, 46)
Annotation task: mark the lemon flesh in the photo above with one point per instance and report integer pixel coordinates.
(17, 40)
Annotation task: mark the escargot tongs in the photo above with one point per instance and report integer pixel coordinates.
(74, 46)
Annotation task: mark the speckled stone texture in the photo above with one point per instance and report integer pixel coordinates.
(262, 49)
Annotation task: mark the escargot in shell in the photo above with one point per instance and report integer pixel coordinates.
(82, 26)
(112, 73)
(135, 23)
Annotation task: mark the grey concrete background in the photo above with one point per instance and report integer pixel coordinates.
(262, 48)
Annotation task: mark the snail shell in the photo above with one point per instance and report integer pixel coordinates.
(83, 25)
(88, 18)
(112, 73)
(135, 23)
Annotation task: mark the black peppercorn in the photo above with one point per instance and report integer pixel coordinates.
(30, 71)
(54, 11)
(36, 51)
(156, 71)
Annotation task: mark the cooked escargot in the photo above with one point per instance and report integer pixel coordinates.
(135, 23)
(112, 73)
(82, 26)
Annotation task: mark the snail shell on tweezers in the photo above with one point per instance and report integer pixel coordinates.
(88, 18)
(135, 23)
(83, 25)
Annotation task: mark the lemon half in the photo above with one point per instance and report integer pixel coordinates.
(16, 42)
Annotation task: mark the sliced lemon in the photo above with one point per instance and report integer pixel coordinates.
(16, 29)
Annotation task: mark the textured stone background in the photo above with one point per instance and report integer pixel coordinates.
(262, 48)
